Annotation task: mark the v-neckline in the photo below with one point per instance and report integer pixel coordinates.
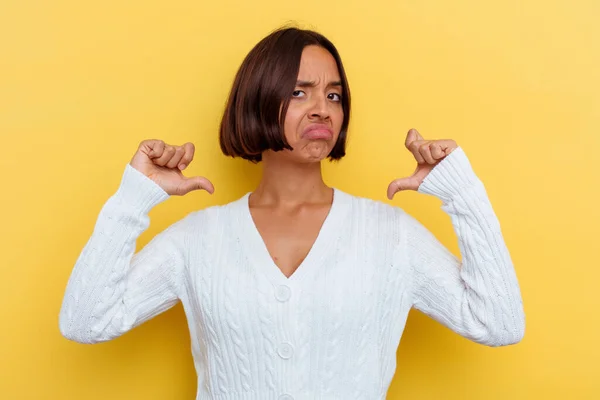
(259, 255)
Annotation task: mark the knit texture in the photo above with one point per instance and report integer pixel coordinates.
(329, 331)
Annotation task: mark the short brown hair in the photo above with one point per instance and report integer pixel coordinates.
(263, 86)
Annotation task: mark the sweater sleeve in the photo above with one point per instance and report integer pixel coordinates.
(112, 290)
(478, 297)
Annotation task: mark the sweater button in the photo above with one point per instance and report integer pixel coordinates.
(283, 293)
(285, 350)
(286, 397)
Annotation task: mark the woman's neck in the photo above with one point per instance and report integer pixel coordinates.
(285, 182)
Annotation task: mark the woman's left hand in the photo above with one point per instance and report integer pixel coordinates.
(428, 154)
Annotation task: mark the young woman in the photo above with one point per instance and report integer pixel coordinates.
(296, 290)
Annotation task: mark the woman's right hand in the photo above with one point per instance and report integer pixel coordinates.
(163, 164)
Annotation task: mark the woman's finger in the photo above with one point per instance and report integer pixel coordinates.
(176, 159)
(437, 151)
(425, 151)
(188, 156)
(166, 156)
(413, 141)
(413, 147)
(155, 148)
(195, 183)
(446, 146)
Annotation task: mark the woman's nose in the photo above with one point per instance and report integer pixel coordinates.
(319, 107)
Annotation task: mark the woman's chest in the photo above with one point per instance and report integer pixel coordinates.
(289, 237)
(343, 293)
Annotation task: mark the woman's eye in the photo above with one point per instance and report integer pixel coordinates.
(297, 93)
(335, 96)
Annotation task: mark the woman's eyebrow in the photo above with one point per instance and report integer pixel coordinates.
(313, 84)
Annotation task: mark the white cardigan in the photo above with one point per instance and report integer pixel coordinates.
(331, 330)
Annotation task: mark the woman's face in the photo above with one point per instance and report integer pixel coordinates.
(315, 115)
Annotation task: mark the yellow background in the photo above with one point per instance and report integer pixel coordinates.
(515, 83)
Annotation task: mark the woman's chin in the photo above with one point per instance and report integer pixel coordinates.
(312, 152)
(315, 151)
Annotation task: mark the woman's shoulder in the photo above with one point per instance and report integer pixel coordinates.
(218, 212)
(375, 218)
(367, 206)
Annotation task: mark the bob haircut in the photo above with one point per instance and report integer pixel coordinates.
(262, 89)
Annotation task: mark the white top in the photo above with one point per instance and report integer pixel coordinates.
(332, 329)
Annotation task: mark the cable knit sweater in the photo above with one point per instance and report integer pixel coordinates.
(332, 329)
